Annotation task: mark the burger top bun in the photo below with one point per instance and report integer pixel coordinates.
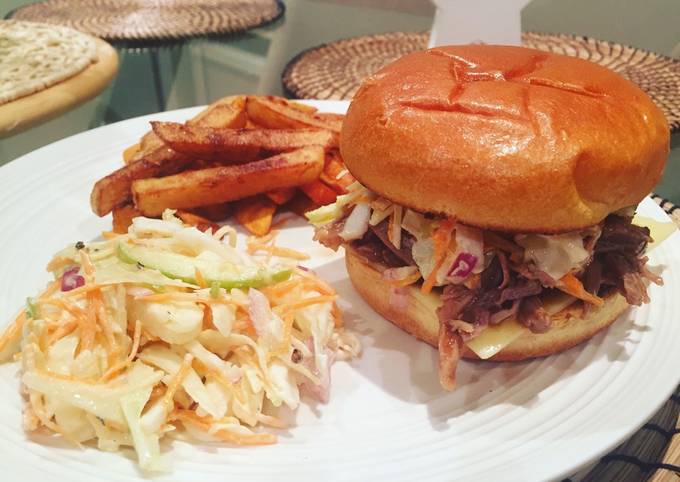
(505, 138)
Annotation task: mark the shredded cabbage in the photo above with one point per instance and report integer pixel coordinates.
(136, 352)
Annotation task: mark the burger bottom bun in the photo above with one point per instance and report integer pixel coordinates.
(415, 313)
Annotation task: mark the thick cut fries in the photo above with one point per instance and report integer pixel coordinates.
(214, 212)
(238, 145)
(319, 192)
(282, 195)
(274, 115)
(122, 218)
(300, 204)
(335, 174)
(114, 189)
(255, 215)
(221, 184)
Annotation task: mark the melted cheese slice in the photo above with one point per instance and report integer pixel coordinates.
(658, 230)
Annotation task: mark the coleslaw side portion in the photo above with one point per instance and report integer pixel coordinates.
(167, 329)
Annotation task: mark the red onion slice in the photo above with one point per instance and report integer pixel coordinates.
(71, 280)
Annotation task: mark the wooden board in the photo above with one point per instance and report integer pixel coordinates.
(25, 112)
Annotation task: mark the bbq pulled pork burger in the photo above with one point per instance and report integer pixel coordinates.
(498, 184)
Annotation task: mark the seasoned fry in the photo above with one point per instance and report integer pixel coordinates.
(319, 192)
(300, 204)
(335, 174)
(274, 115)
(238, 145)
(292, 104)
(221, 184)
(114, 189)
(130, 152)
(122, 218)
(282, 195)
(255, 214)
(200, 222)
(214, 212)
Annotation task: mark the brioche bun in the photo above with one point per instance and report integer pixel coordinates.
(416, 314)
(505, 138)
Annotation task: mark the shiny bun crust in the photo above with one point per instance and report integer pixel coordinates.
(416, 315)
(505, 138)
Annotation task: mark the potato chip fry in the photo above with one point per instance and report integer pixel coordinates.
(255, 214)
(239, 145)
(319, 192)
(227, 183)
(292, 104)
(274, 115)
(122, 218)
(282, 195)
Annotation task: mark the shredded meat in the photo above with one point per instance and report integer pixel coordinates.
(532, 315)
(407, 240)
(329, 234)
(449, 355)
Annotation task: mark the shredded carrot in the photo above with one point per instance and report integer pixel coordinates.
(277, 251)
(200, 280)
(176, 381)
(303, 303)
(572, 286)
(205, 423)
(279, 289)
(13, 331)
(82, 290)
(61, 331)
(338, 322)
(322, 285)
(441, 238)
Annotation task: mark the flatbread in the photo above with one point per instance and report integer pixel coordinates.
(35, 56)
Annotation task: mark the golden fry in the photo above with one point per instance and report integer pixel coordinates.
(275, 115)
(214, 212)
(335, 174)
(227, 183)
(255, 214)
(130, 152)
(282, 195)
(192, 219)
(122, 218)
(159, 160)
(238, 145)
(300, 204)
(114, 189)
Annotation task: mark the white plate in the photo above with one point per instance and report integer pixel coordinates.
(387, 419)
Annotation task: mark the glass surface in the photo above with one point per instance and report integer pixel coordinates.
(198, 71)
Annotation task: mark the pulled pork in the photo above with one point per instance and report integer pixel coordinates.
(511, 286)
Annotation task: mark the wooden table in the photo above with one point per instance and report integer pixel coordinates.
(28, 111)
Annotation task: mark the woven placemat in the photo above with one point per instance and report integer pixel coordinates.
(335, 70)
(152, 20)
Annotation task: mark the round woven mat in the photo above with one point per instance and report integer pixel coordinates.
(143, 20)
(335, 70)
